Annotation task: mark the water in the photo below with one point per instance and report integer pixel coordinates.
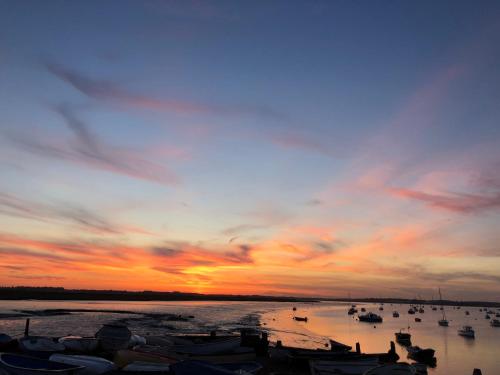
(455, 355)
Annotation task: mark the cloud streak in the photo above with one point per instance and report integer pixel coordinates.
(87, 149)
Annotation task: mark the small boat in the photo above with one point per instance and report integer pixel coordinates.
(352, 311)
(418, 320)
(300, 319)
(125, 357)
(487, 316)
(434, 308)
(39, 346)
(363, 309)
(92, 365)
(318, 367)
(420, 355)
(6, 342)
(381, 308)
(393, 369)
(113, 337)
(294, 308)
(466, 331)
(370, 318)
(194, 367)
(336, 346)
(443, 322)
(411, 311)
(15, 364)
(495, 323)
(213, 347)
(395, 314)
(147, 368)
(421, 310)
(467, 313)
(403, 338)
(79, 344)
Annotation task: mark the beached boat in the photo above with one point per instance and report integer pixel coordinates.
(79, 344)
(6, 342)
(421, 355)
(193, 367)
(147, 368)
(466, 331)
(393, 369)
(370, 318)
(216, 346)
(113, 337)
(125, 357)
(395, 314)
(358, 367)
(495, 323)
(92, 365)
(300, 319)
(38, 346)
(15, 364)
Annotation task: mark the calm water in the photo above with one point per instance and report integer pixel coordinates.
(455, 355)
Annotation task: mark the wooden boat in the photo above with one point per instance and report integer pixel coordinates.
(79, 344)
(92, 365)
(495, 323)
(466, 331)
(420, 355)
(370, 318)
(38, 346)
(15, 364)
(113, 337)
(393, 369)
(358, 367)
(300, 319)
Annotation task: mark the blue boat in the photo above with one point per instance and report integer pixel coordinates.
(16, 364)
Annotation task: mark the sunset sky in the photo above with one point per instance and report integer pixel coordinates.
(319, 148)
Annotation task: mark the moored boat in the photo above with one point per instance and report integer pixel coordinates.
(421, 355)
(467, 331)
(418, 320)
(300, 319)
(370, 318)
(395, 314)
(393, 369)
(92, 365)
(403, 338)
(352, 311)
(495, 323)
(15, 364)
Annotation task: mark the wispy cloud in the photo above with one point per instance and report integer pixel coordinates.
(113, 92)
(87, 149)
(62, 212)
(457, 202)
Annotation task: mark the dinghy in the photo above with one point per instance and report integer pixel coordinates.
(92, 365)
(79, 344)
(113, 337)
(16, 364)
(42, 347)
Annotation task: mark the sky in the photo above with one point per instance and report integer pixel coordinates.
(326, 148)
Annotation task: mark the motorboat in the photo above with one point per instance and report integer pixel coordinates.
(370, 318)
(421, 310)
(300, 319)
(466, 331)
(411, 311)
(403, 338)
(363, 309)
(395, 314)
(352, 311)
(418, 320)
(92, 365)
(15, 364)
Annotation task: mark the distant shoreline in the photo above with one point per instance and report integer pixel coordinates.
(62, 294)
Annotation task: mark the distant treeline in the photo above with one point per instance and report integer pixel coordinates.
(418, 302)
(49, 293)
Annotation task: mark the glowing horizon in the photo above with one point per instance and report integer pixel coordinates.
(280, 148)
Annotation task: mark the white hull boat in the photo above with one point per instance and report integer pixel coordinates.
(92, 365)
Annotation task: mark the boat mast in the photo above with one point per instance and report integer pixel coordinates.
(441, 299)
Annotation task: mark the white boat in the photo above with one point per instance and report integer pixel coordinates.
(92, 365)
(342, 367)
(466, 331)
(15, 364)
(79, 344)
(393, 369)
(40, 345)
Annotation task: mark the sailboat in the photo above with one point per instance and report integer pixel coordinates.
(442, 322)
